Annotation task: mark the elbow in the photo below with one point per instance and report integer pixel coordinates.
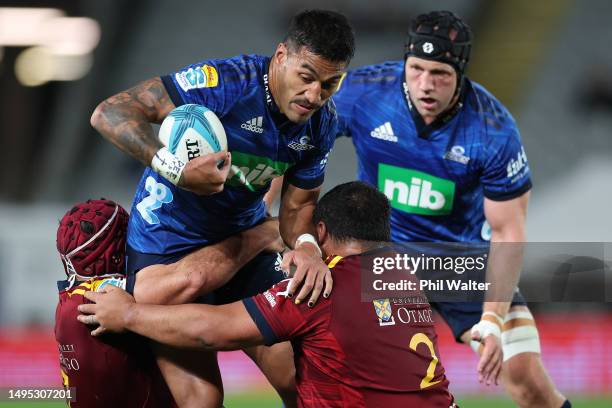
(207, 342)
(209, 337)
(97, 119)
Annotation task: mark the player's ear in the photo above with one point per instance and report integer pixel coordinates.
(322, 235)
(281, 53)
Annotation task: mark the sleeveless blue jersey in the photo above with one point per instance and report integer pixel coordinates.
(435, 176)
(264, 144)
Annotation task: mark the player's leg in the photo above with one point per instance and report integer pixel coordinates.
(185, 277)
(276, 363)
(182, 277)
(193, 377)
(523, 373)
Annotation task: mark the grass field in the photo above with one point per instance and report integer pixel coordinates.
(265, 400)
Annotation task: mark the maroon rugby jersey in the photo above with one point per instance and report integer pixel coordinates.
(350, 353)
(116, 371)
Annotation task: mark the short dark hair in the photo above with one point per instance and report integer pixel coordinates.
(327, 34)
(354, 211)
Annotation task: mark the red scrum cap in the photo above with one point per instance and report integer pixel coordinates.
(91, 239)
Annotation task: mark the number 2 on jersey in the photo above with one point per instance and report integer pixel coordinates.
(417, 339)
(158, 194)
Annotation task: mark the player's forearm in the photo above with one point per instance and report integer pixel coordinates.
(188, 326)
(504, 266)
(273, 192)
(125, 119)
(295, 213)
(295, 222)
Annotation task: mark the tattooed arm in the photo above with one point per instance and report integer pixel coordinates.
(125, 120)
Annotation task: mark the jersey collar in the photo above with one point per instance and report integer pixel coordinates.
(424, 131)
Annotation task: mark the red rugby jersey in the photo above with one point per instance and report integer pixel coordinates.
(114, 370)
(349, 353)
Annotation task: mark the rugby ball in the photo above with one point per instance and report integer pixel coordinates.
(191, 131)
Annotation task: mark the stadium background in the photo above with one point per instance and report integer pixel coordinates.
(548, 61)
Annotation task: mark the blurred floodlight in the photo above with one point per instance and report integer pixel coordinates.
(61, 46)
(71, 67)
(36, 66)
(21, 26)
(71, 35)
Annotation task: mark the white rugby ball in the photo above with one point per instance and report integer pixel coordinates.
(191, 131)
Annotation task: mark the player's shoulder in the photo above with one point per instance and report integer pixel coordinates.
(238, 71)
(369, 77)
(385, 73)
(332, 261)
(488, 113)
(244, 68)
(80, 288)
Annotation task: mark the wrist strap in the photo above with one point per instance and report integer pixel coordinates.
(308, 238)
(493, 318)
(167, 165)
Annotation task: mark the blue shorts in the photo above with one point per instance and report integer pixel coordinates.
(461, 316)
(257, 276)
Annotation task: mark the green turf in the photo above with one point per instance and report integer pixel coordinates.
(578, 402)
(32, 404)
(266, 400)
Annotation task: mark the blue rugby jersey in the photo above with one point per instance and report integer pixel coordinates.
(435, 176)
(264, 144)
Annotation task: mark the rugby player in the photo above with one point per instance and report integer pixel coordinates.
(113, 371)
(449, 157)
(277, 121)
(344, 356)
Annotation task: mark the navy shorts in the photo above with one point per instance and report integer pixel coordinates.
(461, 316)
(257, 276)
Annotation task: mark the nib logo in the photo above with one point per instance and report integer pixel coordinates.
(416, 192)
(254, 172)
(517, 164)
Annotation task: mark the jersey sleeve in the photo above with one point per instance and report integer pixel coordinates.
(216, 84)
(506, 173)
(309, 172)
(279, 319)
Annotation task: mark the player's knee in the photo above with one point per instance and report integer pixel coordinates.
(198, 282)
(520, 334)
(195, 280)
(523, 371)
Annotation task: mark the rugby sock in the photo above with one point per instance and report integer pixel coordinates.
(566, 404)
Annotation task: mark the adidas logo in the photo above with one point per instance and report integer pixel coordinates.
(254, 125)
(384, 132)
